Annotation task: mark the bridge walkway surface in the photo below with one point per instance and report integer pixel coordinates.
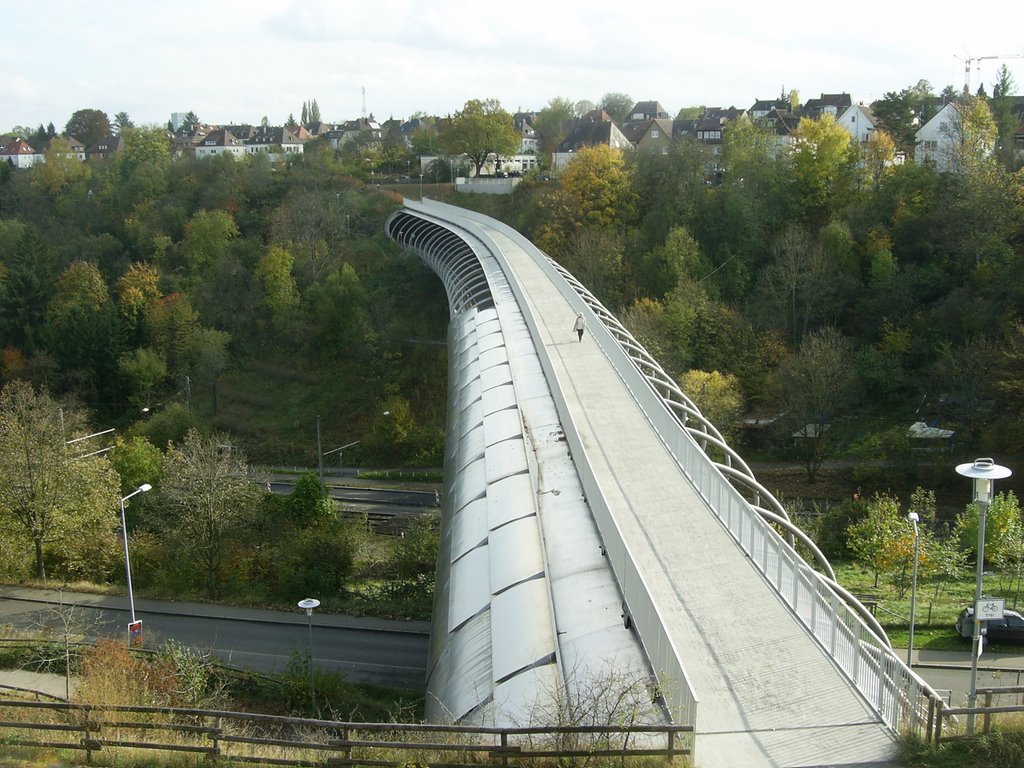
(769, 695)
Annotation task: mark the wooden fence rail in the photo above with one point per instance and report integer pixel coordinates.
(986, 710)
(279, 740)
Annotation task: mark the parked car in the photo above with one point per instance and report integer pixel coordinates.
(1009, 629)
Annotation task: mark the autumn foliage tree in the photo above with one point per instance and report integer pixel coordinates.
(55, 505)
(596, 192)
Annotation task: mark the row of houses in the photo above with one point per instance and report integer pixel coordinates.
(648, 127)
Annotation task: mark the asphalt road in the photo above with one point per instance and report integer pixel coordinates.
(389, 653)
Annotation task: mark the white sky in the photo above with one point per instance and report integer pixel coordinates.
(234, 61)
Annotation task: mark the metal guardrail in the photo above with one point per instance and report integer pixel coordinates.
(279, 740)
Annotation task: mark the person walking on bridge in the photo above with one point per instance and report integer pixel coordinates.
(579, 326)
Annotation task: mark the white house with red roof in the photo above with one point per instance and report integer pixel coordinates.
(19, 153)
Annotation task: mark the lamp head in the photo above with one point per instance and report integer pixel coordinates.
(913, 517)
(983, 472)
(145, 487)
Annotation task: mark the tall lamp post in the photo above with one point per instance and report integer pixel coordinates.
(308, 605)
(135, 627)
(913, 518)
(983, 473)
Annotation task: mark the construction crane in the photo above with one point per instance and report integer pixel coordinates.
(975, 59)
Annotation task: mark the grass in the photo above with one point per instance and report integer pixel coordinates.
(938, 605)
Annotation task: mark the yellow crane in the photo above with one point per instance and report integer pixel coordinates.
(975, 59)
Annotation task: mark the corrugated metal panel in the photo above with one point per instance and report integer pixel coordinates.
(491, 357)
(515, 554)
(521, 631)
(463, 677)
(468, 528)
(495, 376)
(502, 426)
(467, 486)
(508, 500)
(505, 459)
(531, 697)
(499, 398)
(470, 590)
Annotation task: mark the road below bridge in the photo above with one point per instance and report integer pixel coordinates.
(366, 650)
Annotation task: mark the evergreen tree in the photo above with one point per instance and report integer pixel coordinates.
(314, 112)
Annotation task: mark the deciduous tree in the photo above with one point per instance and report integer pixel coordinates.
(479, 130)
(812, 387)
(88, 125)
(718, 397)
(823, 158)
(617, 105)
(551, 124)
(64, 509)
(209, 498)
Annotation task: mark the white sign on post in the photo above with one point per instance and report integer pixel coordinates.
(989, 608)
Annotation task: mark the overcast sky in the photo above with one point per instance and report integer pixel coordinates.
(234, 61)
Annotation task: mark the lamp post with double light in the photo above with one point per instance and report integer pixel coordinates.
(914, 519)
(983, 474)
(135, 627)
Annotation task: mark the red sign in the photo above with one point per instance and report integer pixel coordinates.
(135, 634)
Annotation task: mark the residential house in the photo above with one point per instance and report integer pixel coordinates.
(652, 136)
(709, 129)
(220, 142)
(587, 133)
(77, 147)
(105, 148)
(829, 104)
(529, 141)
(274, 139)
(781, 124)
(763, 107)
(936, 141)
(647, 110)
(316, 128)
(19, 153)
(859, 121)
(353, 130)
(185, 138)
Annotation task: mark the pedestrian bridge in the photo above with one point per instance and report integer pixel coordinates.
(607, 556)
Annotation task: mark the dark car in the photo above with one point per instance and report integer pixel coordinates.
(1009, 629)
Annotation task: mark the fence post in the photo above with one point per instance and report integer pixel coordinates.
(217, 724)
(671, 744)
(988, 715)
(938, 728)
(930, 726)
(504, 747)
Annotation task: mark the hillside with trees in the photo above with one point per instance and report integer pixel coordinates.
(835, 287)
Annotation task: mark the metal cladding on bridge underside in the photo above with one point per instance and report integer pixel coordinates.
(494, 654)
(587, 529)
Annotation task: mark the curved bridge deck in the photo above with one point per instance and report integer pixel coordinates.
(769, 693)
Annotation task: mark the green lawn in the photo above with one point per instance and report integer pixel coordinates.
(937, 605)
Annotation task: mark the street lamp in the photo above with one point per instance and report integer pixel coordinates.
(983, 473)
(308, 604)
(135, 627)
(913, 518)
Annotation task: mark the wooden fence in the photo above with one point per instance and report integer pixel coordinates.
(277, 740)
(985, 710)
